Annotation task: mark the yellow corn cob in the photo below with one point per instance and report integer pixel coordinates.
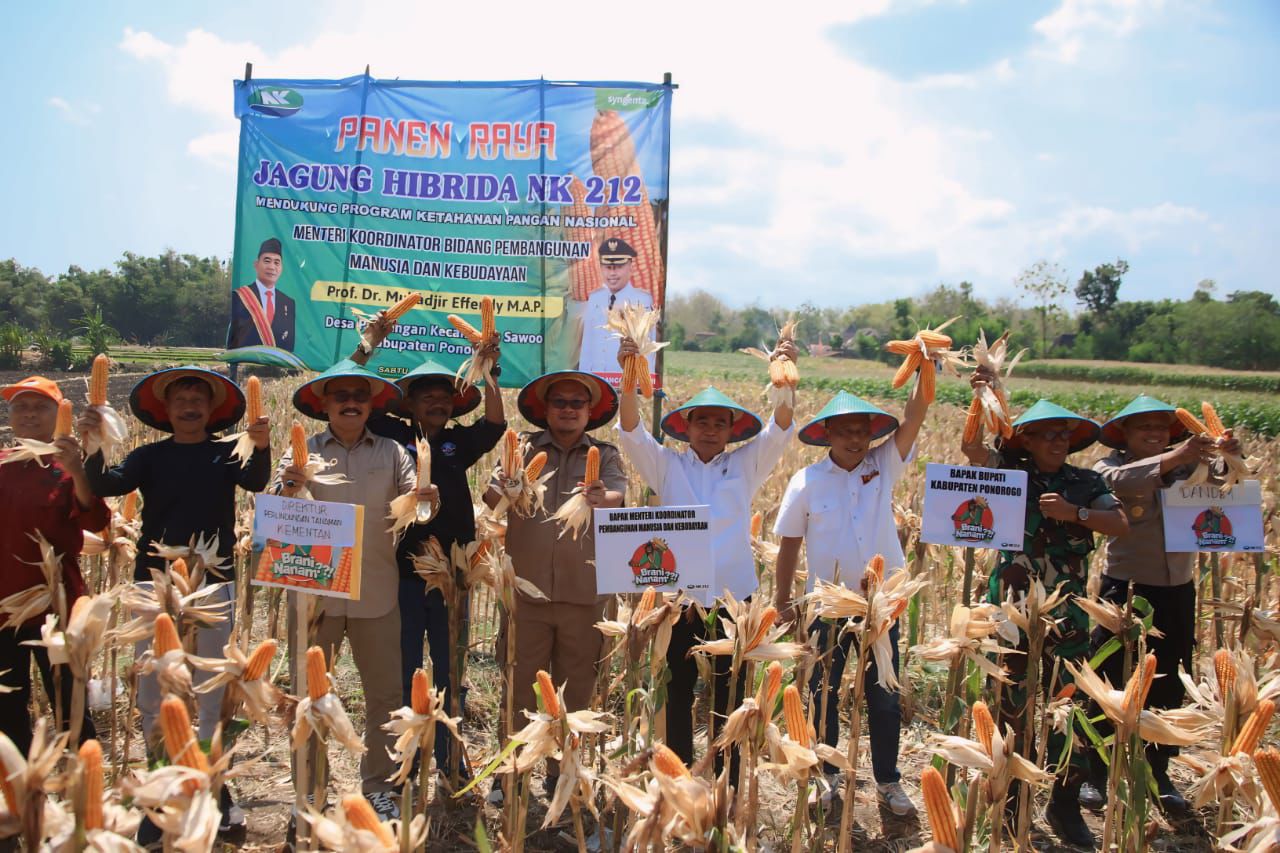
(613, 156)
(511, 459)
(98, 380)
(909, 366)
(645, 605)
(666, 762)
(899, 609)
(179, 569)
(342, 577)
(768, 617)
(1247, 740)
(1067, 691)
(1224, 664)
(901, 347)
(259, 660)
(973, 421)
(875, 569)
(584, 274)
(166, 636)
(934, 340)
(772, 683)
(757, 524)
(62, 426)
(535, 466)
(317, 674)
(179, 741)
(592, 472)
(298, 445)
(470, 332)
(644, 380)
(6, 789)
(481, 550)
(548, 691)
(395, 312)
(928, 380)
(420, 694)
(1191, 422)
(1135, 692)
(1268, 763)
(1211, 420)
(983, 724)
(129, 509)
(253, 399)
(797, 725)
(91, 773)
(938, 804)
(613, 153)
(488, 322)
(360, 815)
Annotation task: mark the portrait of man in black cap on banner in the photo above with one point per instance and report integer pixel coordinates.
(600, 347)
(260, 314)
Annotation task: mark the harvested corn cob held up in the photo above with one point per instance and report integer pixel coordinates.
(783, 375)
(413, 507)
(378, 326)
(257, 436)
(575, 513)
(990, 407)
(522, 485)
(926, 353)
(634, 323)
(483, 341)
(111, 431)
(1236, 468)
(306, 467)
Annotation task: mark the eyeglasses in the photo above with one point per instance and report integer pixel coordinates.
(361, 396)
(1050, 435)
(562, 403)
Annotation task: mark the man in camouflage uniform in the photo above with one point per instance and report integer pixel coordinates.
(1066, 505)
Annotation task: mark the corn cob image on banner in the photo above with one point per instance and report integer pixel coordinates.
(308, 546)
(549, 197)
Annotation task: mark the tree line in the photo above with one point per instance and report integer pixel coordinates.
(177, 299)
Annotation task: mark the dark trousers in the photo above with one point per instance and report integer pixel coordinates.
(425, 614)
(1173, 614)
(688, 632)
(15, 716)
(884, 709)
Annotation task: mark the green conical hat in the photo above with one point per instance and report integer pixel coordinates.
(1084, 434)
(1113, 430)
(844, 403)
(744, 426)
(463, 401)
(309, 399)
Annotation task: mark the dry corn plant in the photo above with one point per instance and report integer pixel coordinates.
(574, 514)
(407, 509)
(635, 322)
(415, 729)
(479, 366)
(1236, 468)
(354, 826)
(674, 804)
(925, 355)
(521, 486)
(26, 782)
(784, 377)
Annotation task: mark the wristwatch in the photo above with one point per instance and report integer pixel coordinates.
(1082, 513)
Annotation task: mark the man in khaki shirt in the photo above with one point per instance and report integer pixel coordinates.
(379, 470)
(559, 635)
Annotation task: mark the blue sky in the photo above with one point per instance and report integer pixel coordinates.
(846, 154)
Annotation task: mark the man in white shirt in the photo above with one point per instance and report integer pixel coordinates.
(599, 347)
(841, 507)
(260, 313)
(725, 480)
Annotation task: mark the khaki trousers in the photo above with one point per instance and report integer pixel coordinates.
(560, 638)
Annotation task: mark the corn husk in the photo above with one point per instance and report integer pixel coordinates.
(784, 376)
(996, 416)
(638, 323)
(406, 509)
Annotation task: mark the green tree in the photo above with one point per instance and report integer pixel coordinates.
(1043, 283)
(1099, 288)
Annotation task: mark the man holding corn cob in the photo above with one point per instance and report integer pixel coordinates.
(1066, 506)
(1150, 452)
(559, 634)
(376, 470)
(188, 484)
(841, 508)
(55, 501)
(599, 349)
(726, 481)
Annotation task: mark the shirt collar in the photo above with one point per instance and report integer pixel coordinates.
(542, 438)
(828, 466)
(327, 437)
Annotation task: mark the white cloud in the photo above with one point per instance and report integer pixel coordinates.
(1067, 28)
(79, 115)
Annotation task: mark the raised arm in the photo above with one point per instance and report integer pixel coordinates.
(912, 419)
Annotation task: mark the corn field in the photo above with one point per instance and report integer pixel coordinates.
(620, 787)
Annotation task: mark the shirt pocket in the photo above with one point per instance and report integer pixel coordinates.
(825, 516)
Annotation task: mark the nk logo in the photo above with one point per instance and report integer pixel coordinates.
(275, 102)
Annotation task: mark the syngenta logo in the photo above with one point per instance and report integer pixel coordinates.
(275, 102)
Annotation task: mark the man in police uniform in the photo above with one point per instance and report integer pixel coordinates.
(599, 346)
(260, 314)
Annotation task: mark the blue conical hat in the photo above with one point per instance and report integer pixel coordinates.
(464, 400)
(844, 403)
(745, 423)
(1113, 430)
(1084, 434)
(309, 399)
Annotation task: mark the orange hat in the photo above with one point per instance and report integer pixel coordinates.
(34, 385)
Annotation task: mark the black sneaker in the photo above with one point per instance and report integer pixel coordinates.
(232, 814)
(1092, 797)
(1068, 824)
(384, 805)
(1171, 799)
(149, 835)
